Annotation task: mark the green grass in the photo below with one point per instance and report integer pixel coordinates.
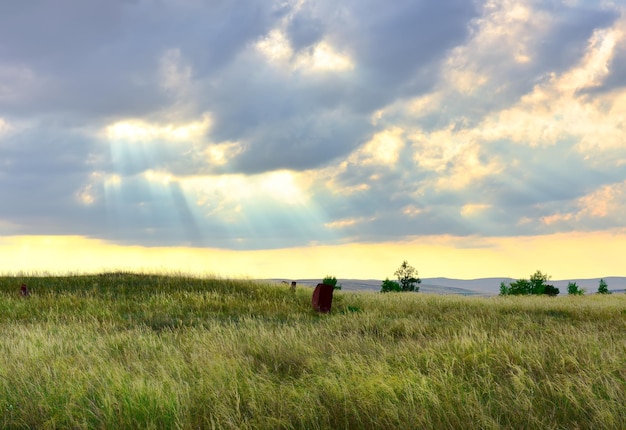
(146, 351)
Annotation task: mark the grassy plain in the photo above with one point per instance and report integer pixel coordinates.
(146, 351)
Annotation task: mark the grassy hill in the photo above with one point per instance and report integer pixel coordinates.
(146, 351)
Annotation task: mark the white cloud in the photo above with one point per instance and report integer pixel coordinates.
(321, 57)
(456, 157)
(86, 195)
(220, 154)
(383, 149)
(346, 190)
(595, 65)
(160, 177)
(226, 194)
(175, 73)
(609, 200)
(473, 209)
(142, 131)
(503, 36)
(275, 47)
(347, 222)
(5, 127)
(607, 203)
(412, 210)
(556, 109)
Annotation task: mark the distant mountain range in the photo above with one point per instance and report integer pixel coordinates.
(471, 287)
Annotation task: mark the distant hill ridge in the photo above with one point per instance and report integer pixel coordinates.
(481, 286)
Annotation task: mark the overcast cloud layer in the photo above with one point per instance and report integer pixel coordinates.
(252, 125)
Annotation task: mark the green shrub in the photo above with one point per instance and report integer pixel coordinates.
(551, 290)
(331, 280)
(390, 286)
(574, 290)
(603, 287)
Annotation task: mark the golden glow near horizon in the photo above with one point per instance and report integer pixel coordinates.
(563, 256)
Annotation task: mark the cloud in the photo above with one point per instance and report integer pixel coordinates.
(94, 60)
(296, 122)
(605, 207)
(304, 29)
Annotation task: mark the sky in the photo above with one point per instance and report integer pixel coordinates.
(300, 138)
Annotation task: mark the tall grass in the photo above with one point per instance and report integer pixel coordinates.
(125, 350)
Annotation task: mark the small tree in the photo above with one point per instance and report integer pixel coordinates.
(504, 290)
(390, 286)
(407, 277)
(331, 280)
(574, 290)
(538, 283)
(603, 288)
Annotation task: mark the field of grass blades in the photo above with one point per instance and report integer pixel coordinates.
(124, 350)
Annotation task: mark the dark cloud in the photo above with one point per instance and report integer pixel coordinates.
(103, 59)
(283, 123)
(301, 143)
(41, 172)
(304, 30)
(566, 41)
(394, 43)
(51, 35)
(398, 49)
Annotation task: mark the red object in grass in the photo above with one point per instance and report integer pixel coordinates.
(322, 298)
(24, 290)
